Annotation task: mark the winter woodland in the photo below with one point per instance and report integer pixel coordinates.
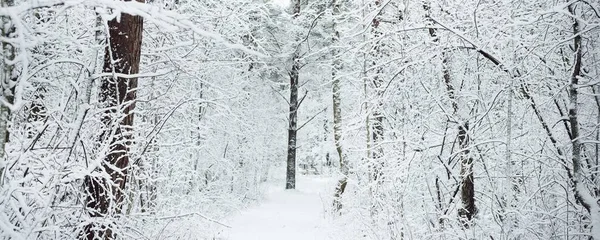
(369, 119)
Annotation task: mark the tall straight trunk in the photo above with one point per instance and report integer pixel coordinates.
(376, 117)
(7, 80)
(290, 182)
(375, 131)
(596, 176)
(366, 104)
(201, 110)
(293, 125)
(122, 55)
(337, 111)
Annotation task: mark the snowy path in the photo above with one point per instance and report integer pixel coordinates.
(285, 214)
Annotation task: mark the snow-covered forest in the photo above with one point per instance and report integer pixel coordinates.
(368, 119)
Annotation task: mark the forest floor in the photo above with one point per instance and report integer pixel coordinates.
(286, 214)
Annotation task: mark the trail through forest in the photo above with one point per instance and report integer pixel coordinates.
(285, 214)
(169, 119)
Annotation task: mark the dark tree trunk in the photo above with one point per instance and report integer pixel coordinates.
(37, 110)
(375, 132)
(467, 189)
(293, 125)
(7, 80)
(122, 56)
(290, 182)
(584, 196)
(377, 115)
(339, 190)
(328, 162)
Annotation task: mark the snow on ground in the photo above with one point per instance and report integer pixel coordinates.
(286, 214)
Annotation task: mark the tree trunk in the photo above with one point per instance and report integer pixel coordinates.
(7, 81)
(596, 176)
(375, 118)
(337, 111)
(293, 125)
(582, 194)
(122, 55)
(467, 188)
(36, 112)
(290, 182)
(376, 114)
(328, 162)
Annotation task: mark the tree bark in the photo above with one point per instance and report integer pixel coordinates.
(582, 194)
(467, 188)
(337, 110)
(290, 182)
(328, 162)
(8, 81)
(293, 125)
(375, 130)
(376, 114)
(118, 94)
